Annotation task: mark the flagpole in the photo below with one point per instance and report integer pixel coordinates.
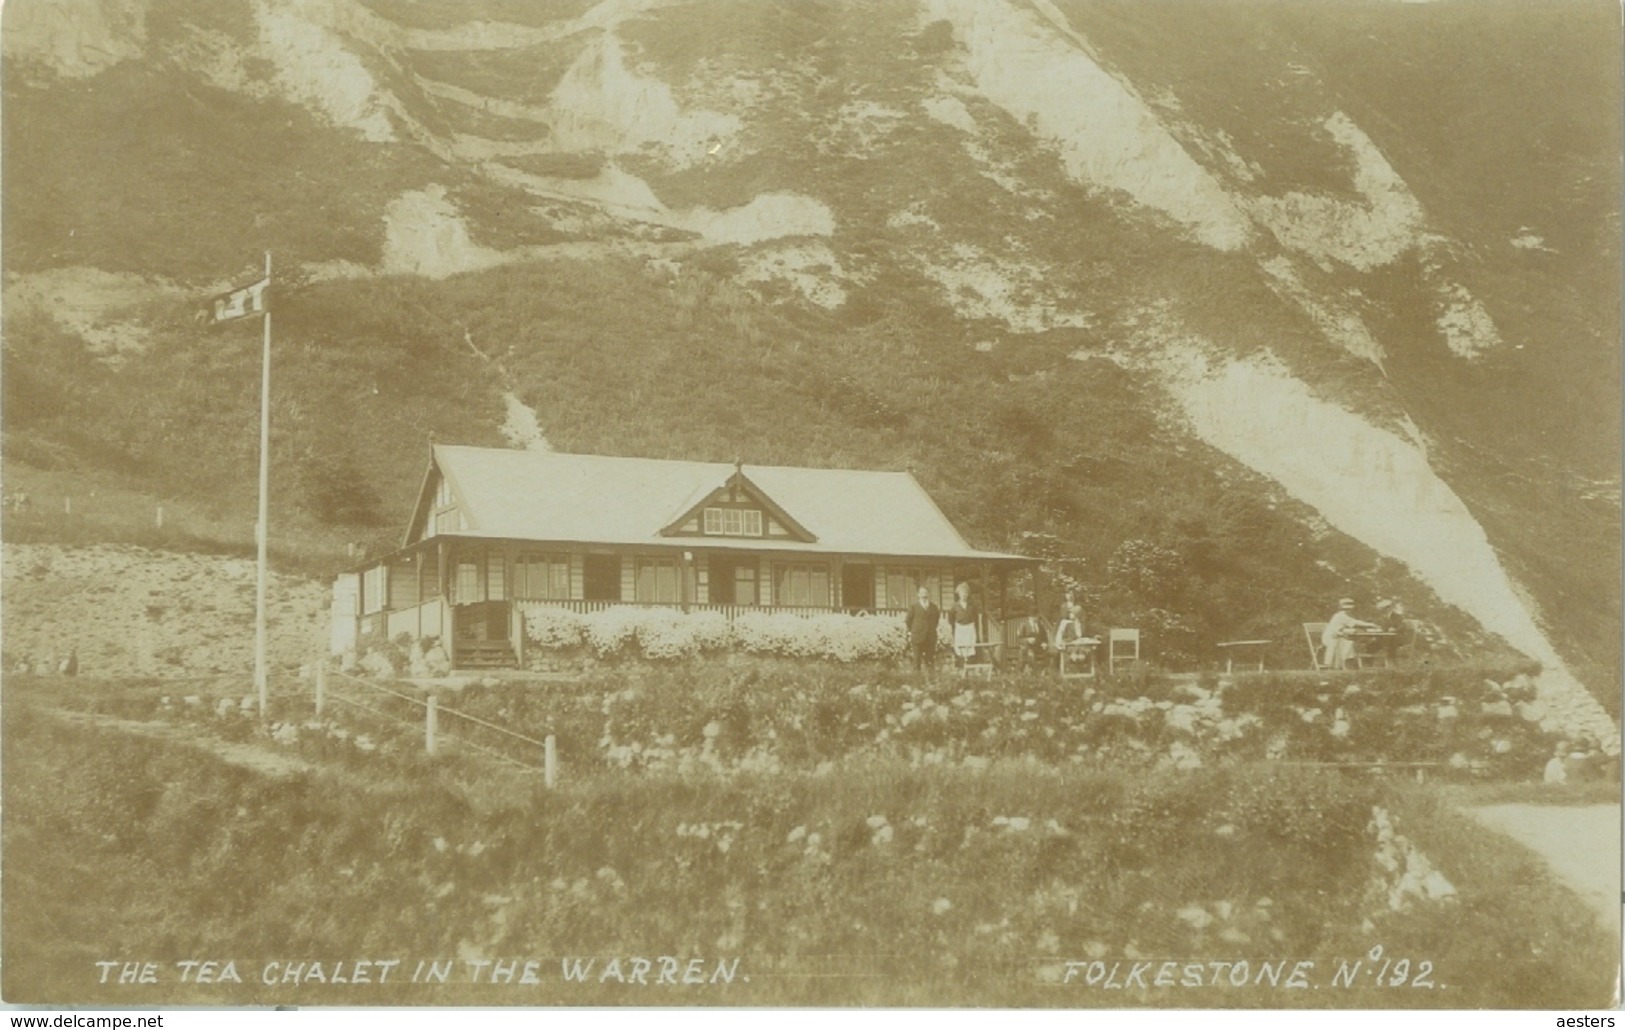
(261, 682)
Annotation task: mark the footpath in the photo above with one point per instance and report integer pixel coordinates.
(1580, 843)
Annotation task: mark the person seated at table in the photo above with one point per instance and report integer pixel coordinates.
(1070, 631)
(1034, 649)
(1071, 642)
(1391, 617)
(1338, 636)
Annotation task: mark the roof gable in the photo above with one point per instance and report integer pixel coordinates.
(427, 507)
(739, 491)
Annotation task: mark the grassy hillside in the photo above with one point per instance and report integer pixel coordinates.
(867, 882)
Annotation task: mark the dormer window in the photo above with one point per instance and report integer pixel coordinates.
(733, 522)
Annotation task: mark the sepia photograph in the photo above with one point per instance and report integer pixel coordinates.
(811, 504)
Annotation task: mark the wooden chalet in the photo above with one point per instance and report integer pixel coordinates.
(497, 532)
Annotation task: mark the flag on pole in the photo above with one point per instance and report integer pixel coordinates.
(240, 303)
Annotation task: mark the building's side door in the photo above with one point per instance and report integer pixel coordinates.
(601, 577)
(858, 588)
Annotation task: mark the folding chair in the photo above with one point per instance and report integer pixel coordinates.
(982, 661)
(1115, 654)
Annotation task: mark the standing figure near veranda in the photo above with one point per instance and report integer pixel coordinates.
(922, 620)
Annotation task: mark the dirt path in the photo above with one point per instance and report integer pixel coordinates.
(260, 760)
(1581, 843)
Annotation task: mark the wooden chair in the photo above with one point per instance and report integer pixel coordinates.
(983, 661)
(1115, 654)
(1317, 653)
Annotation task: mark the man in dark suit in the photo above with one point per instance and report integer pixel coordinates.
(923, 617)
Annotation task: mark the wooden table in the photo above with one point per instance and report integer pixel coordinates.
(1368, 637)
(1231, 647)
(1082, 652)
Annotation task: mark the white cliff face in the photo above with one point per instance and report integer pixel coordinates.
(1017, 293)
(1466, 326)
(601, 104)
(75, 39)
(1377, 487)
(1364, 235)
(425, 235)
(314, 68)
(521, 428)
(1040, 73)
(768, 216)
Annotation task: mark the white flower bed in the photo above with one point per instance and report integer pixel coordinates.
(554, 629)
(662, 633)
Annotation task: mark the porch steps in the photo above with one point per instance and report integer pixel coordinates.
(485, 654)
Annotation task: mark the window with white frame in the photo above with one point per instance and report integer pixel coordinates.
(733, 522)
(467, 587)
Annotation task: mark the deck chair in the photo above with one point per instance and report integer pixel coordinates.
(1317, 653)
(1125, 655)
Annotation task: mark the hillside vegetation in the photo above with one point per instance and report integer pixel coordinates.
(859, 235)
(864, 881)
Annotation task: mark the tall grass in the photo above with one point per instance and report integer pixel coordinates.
(870, 883)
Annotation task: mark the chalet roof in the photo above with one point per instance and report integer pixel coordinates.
(586, 498)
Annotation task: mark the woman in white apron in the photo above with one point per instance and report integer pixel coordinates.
(964, 618)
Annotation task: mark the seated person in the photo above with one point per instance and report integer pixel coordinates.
(1034, 649)
(1070, 631)
(1391, 617)
(1338, 636)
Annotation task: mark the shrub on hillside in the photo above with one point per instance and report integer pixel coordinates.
(1147, 570)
